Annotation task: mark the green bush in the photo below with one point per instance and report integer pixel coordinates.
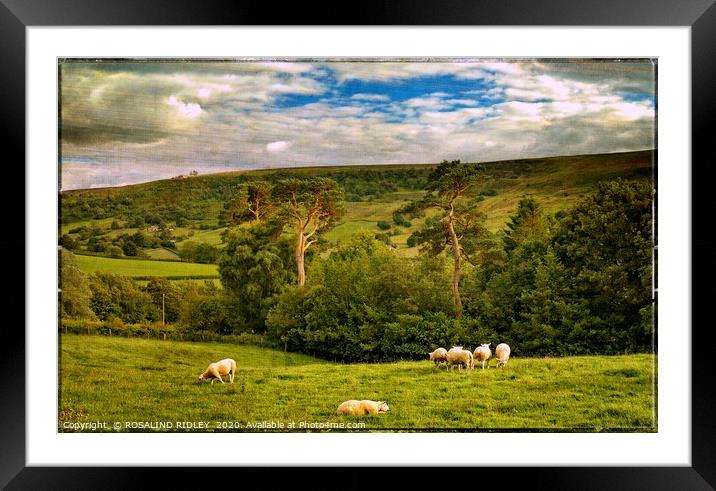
(254, 266)
(75, 290)
(394, 311)
(129, 248)
(118, 296)
(113, 251)
(399, 219)
(197, 252)
(69, 243)
(385, 239)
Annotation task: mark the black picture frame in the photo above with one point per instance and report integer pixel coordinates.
(700, 15)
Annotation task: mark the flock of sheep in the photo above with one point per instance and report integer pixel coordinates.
(456, 356)
(464, 358)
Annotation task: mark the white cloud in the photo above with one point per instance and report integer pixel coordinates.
(533, 84)
(512, 68)
(566, 108)
(206, 91)
(631, 111)
(453, 119)
(386, 71)
(187, 110)
(426, 102)
(462, 102)
(106, 106)
(278, 146)
(298, 85)
(557, 89)
(370, 97)
(517, 109)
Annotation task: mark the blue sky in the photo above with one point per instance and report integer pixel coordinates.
(125, 122)
(473, 92)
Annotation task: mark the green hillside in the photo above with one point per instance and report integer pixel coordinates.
(189, 209)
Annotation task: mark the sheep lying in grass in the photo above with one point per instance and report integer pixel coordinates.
(460, 357)
(216, 370)
(361, 408)
(502, 354)
(482, 354)
(439, 356)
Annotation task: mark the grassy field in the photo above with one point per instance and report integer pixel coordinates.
(162, 253)
(110, 379)
(144, 267)
(102, 223)
(212, 237)
(364, 217)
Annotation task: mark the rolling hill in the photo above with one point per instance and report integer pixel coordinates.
(191, 207)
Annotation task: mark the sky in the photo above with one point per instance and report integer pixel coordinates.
(129, 121)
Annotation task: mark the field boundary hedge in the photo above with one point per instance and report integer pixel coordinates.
(133, 258)
(172, 278)
(155, 330)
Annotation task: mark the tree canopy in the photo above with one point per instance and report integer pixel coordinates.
(450, 181)
(307, 207)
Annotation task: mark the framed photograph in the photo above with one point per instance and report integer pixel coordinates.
(348, 246)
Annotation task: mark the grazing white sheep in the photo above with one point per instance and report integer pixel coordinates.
(502, 354)
(439, 356)
(482, 354)
(216, 370)
(460, 357)
(361, 408)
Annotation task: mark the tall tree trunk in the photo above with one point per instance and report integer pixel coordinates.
(458, 266)
(300, 253)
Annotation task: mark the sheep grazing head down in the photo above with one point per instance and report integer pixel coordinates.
(502, 353)
(460, 357)
(214, 371)
(482, 354)
(438, 355)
